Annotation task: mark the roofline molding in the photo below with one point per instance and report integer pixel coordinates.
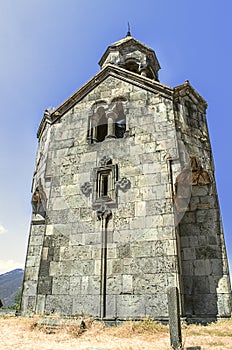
(130, 77)
(109, 70)
(186, 89)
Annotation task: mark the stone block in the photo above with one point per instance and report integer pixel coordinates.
(44, 285)
(127, 263)
(114, 284)
(59, 304)
(31, 273)
(80, 268)
(189, 229)
(58, 216)
(40, 304)
(49, 230)
(204, 215)
(148, 283)
(117, 266)
(36, 240)
(168, 220)
(141, 249)
(37, 230)
(189, 218)
(34, 250)
(200, 191)
(156, 306)
(85, 284)
(185, 242)
(189, 254)
(33, 261)
(92, 238)
(200, 269)
(45, 253)
(138, 223)
(205, 304)
(54, 268)
(28, 305)
(86, 305)
(207, 252)
(224, 304)
(144, 265)
(58, 203)
(96, 252)
(127, 284)
(122, 236)
(174, 318)
(75, 285)
(66, 268)
(140, 209)
(223, 284)
(93, 285)
(29, 288)
(75, 252)
(131, 306)
(97, 267)
(112, 251)
(111, 306)
(44, 268)
(61, 285)
(201, 285)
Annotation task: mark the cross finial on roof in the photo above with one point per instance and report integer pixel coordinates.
(128, 31)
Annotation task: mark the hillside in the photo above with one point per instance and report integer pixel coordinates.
(10, 283)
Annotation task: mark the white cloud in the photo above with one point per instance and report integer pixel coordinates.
(2, 229)
(8, 265)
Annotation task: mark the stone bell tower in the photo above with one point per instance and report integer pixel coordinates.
(124, 199)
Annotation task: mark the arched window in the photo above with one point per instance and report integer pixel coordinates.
(107, 121)
(104, 189)
(131, 65)
(102, 127)
(120, 128)
(120, 120)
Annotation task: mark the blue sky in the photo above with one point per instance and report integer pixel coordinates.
(49, 48)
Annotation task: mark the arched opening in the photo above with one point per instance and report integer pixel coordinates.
(107, 121)
(132, 66)
(102, 129)
(120, 128)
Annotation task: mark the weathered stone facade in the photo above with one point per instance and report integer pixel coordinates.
(124, 199)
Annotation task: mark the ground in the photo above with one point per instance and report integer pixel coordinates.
(24, 334)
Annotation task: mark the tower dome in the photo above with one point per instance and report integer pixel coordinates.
(132, 55)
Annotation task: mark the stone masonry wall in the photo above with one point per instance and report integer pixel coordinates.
(142, 252)
(206, 284)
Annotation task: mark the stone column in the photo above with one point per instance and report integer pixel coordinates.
(94, 122)
(111, 117)
(174, 318)
(144, 73)
(31, 273)
(104, 214)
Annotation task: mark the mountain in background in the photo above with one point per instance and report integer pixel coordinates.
(10, 283)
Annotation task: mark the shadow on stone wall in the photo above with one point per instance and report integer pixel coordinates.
(202, 255)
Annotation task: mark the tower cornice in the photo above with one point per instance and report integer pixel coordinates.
(107, 71)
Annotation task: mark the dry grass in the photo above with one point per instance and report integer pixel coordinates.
(25, 334)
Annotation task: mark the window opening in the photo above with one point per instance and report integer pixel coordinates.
(108, 121)
(131, 66)
(104, 188)
(102, 129)
(120, 128)
(104, 185)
